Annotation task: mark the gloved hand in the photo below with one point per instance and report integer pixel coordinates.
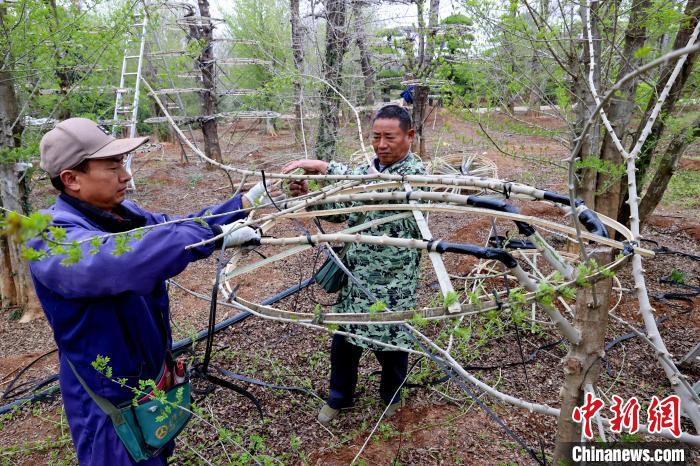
(257, 195)
(240, 237)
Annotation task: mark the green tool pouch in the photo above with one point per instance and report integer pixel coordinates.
(145, 429)
(330, 277)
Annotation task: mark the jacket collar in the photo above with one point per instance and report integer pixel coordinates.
(126, 220)
(393, 166)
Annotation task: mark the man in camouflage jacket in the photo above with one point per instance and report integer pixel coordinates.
(389, 273)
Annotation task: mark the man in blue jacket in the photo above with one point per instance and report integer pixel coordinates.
(113, 305)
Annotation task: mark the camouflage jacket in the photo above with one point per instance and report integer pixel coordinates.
(390, 273)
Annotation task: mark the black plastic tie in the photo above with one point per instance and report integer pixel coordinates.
(499, 303)
(628, 247)
(309, 239)
(507, 189)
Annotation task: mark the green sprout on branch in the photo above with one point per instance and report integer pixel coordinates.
(379, 306)
(450, 298)
(101, 365)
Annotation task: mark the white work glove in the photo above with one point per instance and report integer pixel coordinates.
(257, 195)
(240, 237)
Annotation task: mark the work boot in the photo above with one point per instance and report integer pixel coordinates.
(391, 410)
(327, 414)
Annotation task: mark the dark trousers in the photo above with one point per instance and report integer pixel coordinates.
(345, 359)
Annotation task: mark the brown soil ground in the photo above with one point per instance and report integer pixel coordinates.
(439, 424)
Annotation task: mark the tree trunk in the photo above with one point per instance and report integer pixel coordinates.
(151, 76)
(619, 112)
(420, 106)
(585, 107)
(14, 272)
(208, 97)
(426, 52)
(420, 16)
(64, 80)
(298, 55)
(431, 36)
(8, 291)
(11, 195)
(270, 129)
(582, 363)
(336, 46)
(667, 167)
(535, 98)
(507, 99)
(538, 80)
(361, 41)
(692, 10)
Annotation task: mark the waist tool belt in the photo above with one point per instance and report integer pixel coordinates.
(146, 427)
(330, 277)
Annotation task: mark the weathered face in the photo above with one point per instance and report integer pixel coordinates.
(390, 142)
(103, 184)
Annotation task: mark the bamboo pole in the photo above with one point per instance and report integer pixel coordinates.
(429, 313)
(477, 211)
(235, 272)
(435, 258)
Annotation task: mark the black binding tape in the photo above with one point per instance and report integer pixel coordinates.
(501, 206)
(308, 238)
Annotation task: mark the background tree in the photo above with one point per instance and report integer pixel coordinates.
(361, 40)
(336, 46)
(202, 30)
(16, 289)
(668, 161)
(297, 33)
(623, 35)
(46, 72)
(427, 40)
(429, 51)
(262, 30)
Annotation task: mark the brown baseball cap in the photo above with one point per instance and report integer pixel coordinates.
(77, 139)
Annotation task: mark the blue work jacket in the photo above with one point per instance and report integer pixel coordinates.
(114, 306)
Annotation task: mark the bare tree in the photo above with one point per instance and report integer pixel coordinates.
(538, 79)
(585, 104)
(202, 29)
(620, 110)
(63, 75)
(16, 288)
(361, 41)
(427, 38)
(336, 47)
(668, 163)
(692, 11)
(298, 55)
(508, 40)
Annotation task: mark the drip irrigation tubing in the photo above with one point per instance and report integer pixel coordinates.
(666, 250)
(625, 337)
(529, 360)
(12, 391)
(686, 297)
(178, 348)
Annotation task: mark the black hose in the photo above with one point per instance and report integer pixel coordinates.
(498, 254)
(588, 218)
(178, 348)
(501, 206)
(9, 391)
